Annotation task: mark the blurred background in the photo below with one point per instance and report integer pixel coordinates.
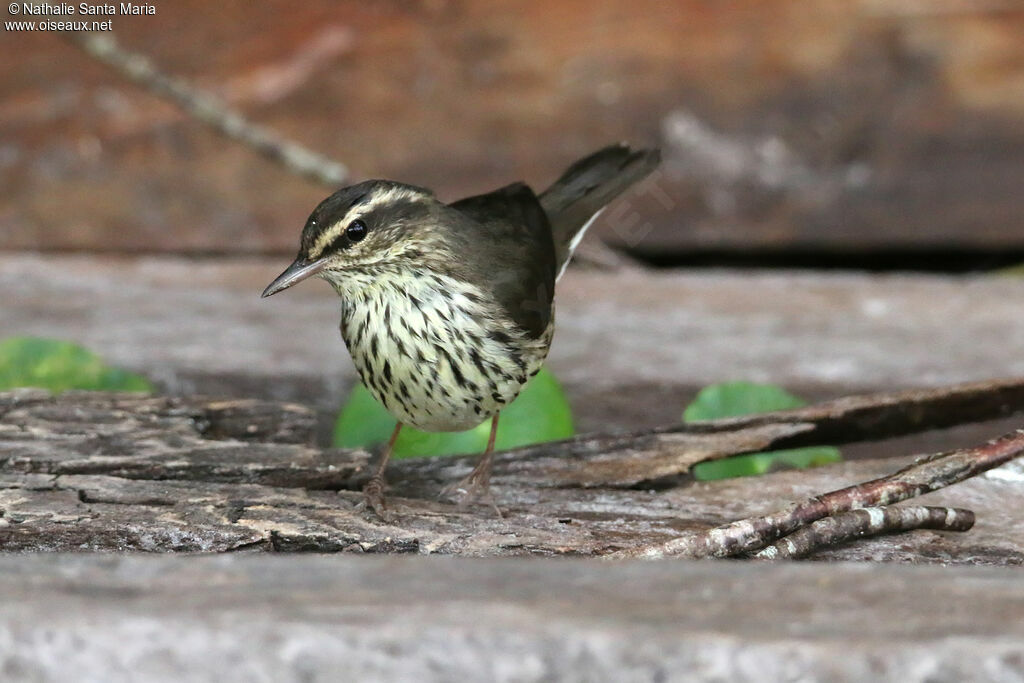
(829, 128)
(871, 135)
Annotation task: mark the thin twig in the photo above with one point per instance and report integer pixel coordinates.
(926, 474)
(871, 521)
(211, 111)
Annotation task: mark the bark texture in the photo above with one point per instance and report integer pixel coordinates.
(120, 472)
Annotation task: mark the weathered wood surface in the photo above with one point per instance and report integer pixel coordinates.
(107, 472)
(833, 125)
(632, 346)
(259, 618)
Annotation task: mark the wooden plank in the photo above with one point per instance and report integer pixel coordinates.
(106, 472)
(244, 617)
(632, 346)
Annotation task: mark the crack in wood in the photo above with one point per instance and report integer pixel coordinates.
(121, 472)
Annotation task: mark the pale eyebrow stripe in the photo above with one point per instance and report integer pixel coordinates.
(333, 231)
(361, 209)
(326, 237)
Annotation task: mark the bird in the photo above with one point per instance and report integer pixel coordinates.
(447, 309)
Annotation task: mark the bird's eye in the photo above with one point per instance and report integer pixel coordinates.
(356, 230)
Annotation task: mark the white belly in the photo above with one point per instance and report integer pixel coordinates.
(432, 356)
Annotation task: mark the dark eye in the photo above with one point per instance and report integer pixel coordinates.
(356, 230)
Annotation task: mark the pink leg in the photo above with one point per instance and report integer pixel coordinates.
(373, 491)
(477, 483)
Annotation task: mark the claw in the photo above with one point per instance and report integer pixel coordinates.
(475, 486)
(373, 499)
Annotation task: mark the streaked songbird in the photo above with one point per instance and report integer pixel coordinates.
(448, 309)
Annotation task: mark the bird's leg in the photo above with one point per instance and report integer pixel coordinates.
(477, 484)
(373, 490)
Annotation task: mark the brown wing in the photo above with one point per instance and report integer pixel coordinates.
(513, 253)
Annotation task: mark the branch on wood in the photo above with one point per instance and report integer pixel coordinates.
(873, 521)
(208, 109)
(927, 474)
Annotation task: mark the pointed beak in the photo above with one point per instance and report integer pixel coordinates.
(296, 272)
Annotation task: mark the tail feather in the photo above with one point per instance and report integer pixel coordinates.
(586, 187)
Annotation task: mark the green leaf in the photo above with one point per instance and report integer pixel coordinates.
(752, 464)
(58, 366)
(540, 413)
(732, 399)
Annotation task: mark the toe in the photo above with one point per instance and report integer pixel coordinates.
(373, 499)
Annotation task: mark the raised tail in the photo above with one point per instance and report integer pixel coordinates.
(589, 185)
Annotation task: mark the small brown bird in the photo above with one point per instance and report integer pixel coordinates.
(448, 309)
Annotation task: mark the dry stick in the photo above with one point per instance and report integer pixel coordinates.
(926, 474)
(865, 522)
(211, 111)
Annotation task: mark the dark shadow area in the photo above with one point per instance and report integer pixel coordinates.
(945, 260)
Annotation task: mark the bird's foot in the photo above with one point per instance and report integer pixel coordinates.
(476, 486)
(373, 498)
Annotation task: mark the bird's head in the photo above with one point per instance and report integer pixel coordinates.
(360, 230)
